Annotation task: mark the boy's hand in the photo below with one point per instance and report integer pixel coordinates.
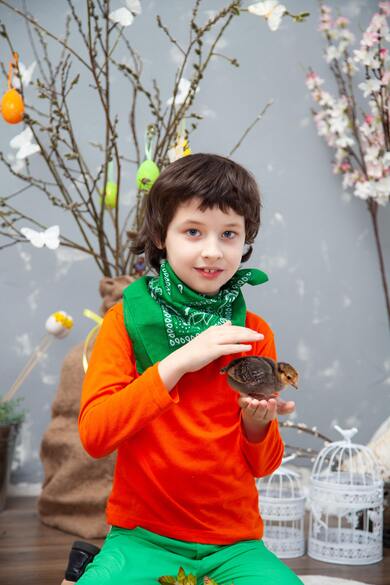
(213, 343)
(264, 410)
(257, 414)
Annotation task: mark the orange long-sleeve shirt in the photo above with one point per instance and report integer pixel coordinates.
(184, 467)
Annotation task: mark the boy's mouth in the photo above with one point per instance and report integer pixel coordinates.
(209, 272)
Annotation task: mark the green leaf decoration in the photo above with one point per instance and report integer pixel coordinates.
(181, 579)
(167, 580)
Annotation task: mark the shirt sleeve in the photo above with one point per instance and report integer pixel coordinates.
(265, 456)
(116, 401)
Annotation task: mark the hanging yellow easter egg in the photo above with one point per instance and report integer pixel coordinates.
(12, 107)
(110, 198)
(147, 174)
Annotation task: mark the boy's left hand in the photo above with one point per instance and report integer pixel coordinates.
(264, 411)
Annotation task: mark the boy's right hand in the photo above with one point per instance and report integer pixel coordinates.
(214, 342)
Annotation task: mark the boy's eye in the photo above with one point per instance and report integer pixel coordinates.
(230, 232)
(192, 230)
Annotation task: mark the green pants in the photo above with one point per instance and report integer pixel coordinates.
(140, 557)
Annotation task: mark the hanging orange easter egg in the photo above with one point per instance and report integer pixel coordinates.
(12, 107)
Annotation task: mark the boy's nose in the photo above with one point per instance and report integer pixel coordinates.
(211, 250)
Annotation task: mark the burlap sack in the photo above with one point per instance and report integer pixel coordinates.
(76, 486)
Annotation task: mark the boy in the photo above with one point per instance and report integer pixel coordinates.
(188, 446)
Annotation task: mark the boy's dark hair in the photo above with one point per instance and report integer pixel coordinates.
(216, 180)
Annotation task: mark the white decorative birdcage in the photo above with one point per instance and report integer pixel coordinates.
(282, 507)
(346, 504)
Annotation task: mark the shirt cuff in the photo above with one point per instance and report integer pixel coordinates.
(245, 441)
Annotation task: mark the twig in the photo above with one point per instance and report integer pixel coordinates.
(245, 134)
(301, 427)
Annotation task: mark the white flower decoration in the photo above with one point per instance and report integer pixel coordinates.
(49, 238)
(372, 153)
(370, 86)
(332, 53)
(382, 191)
(313, 81)
(344, 141)
(271, 10)
(325, 99)
(338, 123)
(364, 189)
(23, 142)
(125, 16)
(378, 190)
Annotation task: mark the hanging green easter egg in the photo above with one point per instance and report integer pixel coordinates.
(110, 198)
(147, 174)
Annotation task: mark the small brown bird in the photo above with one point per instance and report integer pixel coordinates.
(260, 377)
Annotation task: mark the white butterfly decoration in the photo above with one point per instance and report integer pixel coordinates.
(23, 142)
(25, 73)
(49, 238)
(184, 86)
(17, 165)
(271, 10)
(125, 16)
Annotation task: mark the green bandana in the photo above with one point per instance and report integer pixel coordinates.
(162, 313)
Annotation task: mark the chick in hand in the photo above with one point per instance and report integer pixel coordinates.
(260, 377)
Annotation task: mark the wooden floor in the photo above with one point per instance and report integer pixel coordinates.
(33, 554)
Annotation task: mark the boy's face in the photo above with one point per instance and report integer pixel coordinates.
(200, 239)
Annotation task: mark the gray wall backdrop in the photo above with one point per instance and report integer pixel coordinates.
(324, 299)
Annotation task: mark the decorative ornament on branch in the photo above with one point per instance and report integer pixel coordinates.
(358, 127)
(12, 106)
(58, 326)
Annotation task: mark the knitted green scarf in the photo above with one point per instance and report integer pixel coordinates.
(162, 313)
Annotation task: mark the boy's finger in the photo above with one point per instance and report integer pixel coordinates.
(262, 406)
(247, 330)
(271, 409)
(286, 407)
(244, 401)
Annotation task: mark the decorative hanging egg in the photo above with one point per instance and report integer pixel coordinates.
(147, 174)
(110, 198)
(59, 324)
(12, 107)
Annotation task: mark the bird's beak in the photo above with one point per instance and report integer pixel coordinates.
(295, 386)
